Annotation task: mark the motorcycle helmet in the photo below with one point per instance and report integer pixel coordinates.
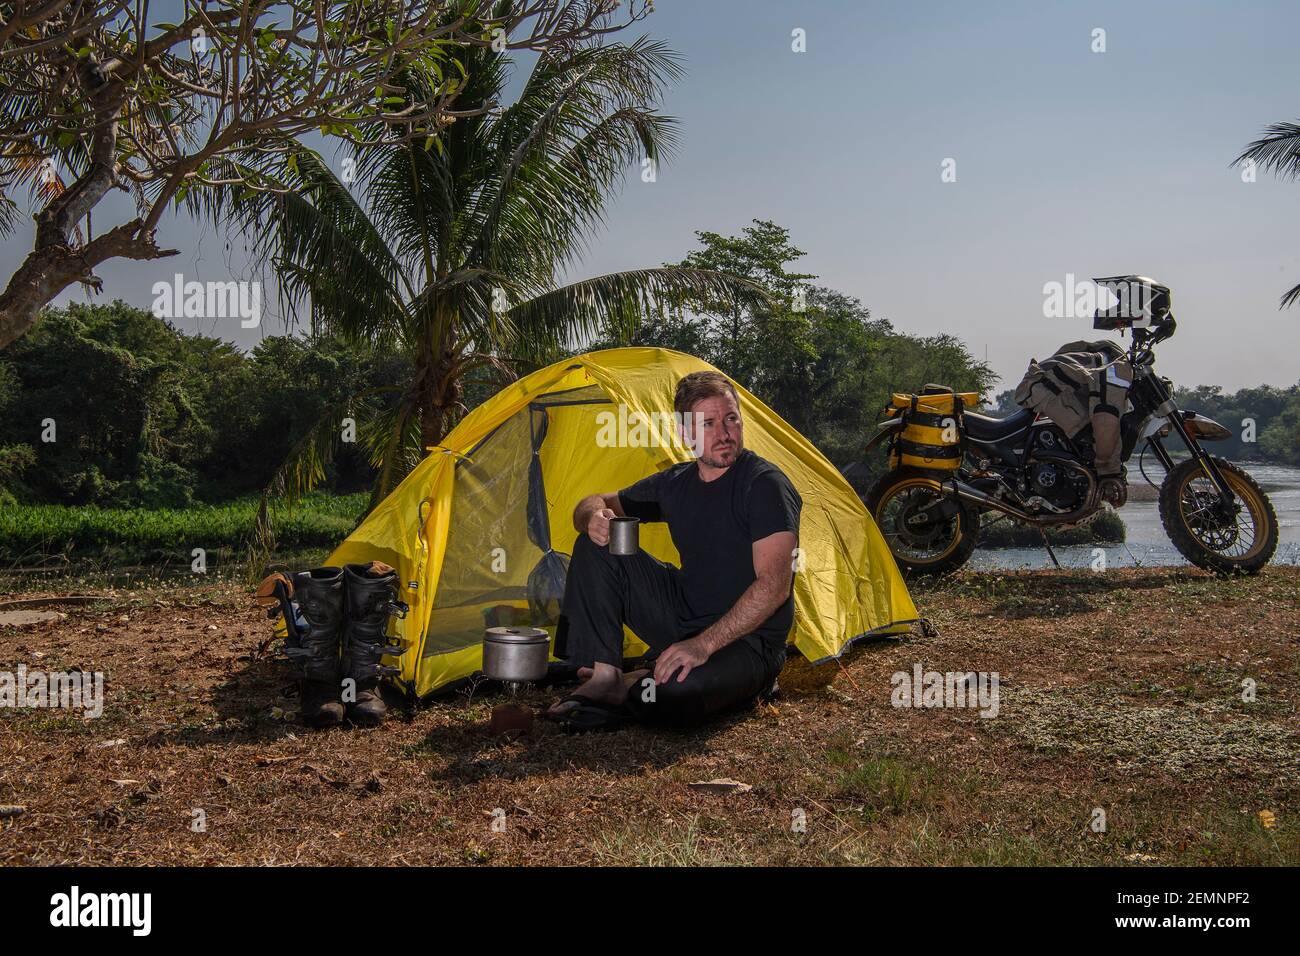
(1132, 302)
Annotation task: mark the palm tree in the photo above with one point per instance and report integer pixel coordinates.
(1278, 151)
(446, 250)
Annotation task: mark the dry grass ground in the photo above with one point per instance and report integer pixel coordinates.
(1120, 691)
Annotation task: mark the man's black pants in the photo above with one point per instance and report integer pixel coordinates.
(604, 591)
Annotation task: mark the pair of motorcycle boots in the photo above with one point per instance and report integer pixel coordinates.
(339, 651)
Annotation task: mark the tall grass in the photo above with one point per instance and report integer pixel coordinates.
(31, 534)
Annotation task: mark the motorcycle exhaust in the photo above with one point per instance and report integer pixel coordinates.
(968, 493)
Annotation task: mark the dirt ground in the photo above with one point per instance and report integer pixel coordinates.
(1122, 736)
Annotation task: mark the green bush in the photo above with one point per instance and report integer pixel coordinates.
(160, 484)
(15, 460)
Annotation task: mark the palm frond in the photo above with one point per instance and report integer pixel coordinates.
(411, 194)
(21, 166)
(393, 441)
(9, 215)
(552, 182)
(493, 205)
(1290, 298)
(1277, 151)
(328, 251)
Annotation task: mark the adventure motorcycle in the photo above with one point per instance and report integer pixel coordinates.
(1026, 468)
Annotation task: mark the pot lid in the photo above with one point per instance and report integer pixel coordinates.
(516, 635)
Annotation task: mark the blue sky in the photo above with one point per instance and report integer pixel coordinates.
(1067, 161)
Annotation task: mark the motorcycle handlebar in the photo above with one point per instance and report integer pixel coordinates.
(1144, 340)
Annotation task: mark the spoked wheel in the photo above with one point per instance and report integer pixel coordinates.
(1237, 538)
(927, 532)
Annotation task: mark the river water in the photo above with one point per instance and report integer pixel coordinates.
(1147, 543)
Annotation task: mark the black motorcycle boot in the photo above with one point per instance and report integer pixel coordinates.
(319, 594)
(371, 600)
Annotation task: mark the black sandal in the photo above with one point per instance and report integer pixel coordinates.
(590, 716)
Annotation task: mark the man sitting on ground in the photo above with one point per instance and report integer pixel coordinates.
(719, 624)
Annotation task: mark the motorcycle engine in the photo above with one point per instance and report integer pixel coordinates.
(1062, 486)
(1055, 484)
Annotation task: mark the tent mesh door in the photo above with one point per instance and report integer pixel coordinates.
(498, 568)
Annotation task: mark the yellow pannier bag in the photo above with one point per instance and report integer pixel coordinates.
(931, 437)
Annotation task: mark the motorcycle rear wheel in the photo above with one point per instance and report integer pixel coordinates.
(1238, 544)
(939, 550)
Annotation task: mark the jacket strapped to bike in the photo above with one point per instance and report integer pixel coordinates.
(1082, 384)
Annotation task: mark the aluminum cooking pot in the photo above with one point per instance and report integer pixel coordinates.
(515, 654)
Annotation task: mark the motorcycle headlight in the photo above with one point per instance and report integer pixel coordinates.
(1206, 428)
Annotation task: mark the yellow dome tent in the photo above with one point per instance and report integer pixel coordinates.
(480, 530)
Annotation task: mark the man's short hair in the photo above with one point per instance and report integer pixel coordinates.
(700, 385)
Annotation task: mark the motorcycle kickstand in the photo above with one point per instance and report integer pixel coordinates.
(1048, 545)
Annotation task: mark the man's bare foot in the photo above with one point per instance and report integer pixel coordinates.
(604, 685)
(630, 678)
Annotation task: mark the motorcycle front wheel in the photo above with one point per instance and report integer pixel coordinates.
(898, 501)
(1237, 540)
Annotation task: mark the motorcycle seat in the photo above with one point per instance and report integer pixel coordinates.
(981, 428)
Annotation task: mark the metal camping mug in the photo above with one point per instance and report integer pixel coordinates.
(623, 536)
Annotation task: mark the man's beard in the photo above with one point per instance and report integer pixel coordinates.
(715, 463)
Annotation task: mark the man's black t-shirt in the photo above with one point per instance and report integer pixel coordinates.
(713, 526)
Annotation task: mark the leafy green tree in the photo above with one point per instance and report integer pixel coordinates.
(122, 394)
(1004, 404)
(83, 406)
(1262, 405)
(1279, 440)
(278, 397)
(766, 343)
